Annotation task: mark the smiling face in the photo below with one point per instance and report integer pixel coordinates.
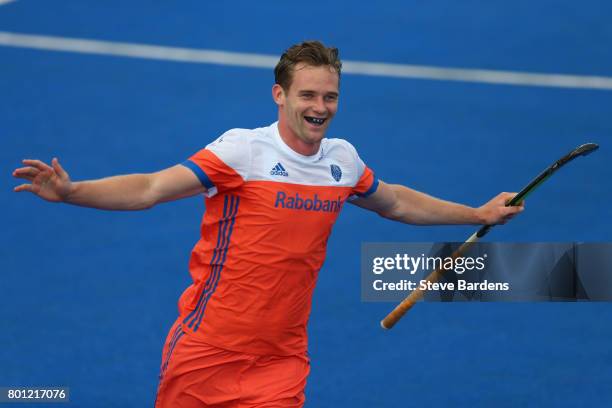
(306, 109)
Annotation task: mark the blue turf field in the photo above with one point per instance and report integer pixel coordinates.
(87, 297)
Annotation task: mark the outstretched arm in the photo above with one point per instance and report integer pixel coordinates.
(128, 192)
(400, 203)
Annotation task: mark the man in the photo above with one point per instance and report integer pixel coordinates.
(273, 195)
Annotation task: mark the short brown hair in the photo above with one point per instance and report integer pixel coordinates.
(312, 53)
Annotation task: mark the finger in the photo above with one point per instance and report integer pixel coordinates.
(26, 171)
(516, 209)
(510, 216)
(519, 204)
(28, 177)
(38, 164)
(508, 197)
(18, 169)
(59, 169)
(510, 211)
(23, 187)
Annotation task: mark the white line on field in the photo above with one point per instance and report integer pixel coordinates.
(249, 60)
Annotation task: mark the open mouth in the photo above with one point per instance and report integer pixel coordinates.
(315, 121)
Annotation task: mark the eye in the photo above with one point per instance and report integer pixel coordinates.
(331, 98)
(307, 95)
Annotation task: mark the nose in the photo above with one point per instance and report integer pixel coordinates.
(319, 106)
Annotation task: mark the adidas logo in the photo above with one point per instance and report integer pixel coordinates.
(279, 170)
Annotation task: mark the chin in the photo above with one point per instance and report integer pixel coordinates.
(315, 138)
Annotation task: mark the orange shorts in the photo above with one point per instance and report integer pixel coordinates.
(195, 374)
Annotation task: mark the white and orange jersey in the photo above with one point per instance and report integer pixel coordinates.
(269, 213)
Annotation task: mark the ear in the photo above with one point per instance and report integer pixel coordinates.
(278, 94)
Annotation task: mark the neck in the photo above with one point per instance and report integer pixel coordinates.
(294, 142)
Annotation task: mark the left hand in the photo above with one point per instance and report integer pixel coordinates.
(495, 211)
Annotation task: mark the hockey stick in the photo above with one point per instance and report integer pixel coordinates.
(401, 309)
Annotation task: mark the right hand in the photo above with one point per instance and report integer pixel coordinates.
(50, 183)
(496, 212)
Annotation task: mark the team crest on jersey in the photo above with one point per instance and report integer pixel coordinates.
(279, 170)
(336, 172)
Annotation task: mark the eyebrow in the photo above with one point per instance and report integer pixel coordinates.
(305, 91)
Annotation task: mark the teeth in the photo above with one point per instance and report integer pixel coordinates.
(316, 121)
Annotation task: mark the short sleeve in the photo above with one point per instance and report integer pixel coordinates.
(367, 183)
(223, 164)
